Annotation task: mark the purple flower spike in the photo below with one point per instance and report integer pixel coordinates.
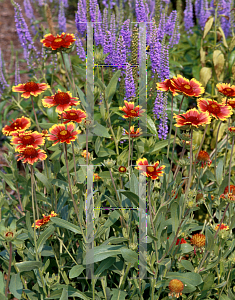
(62, 18)
(140, 11)
(80, 50)
(3, 82)
(29, 13)
(129, 84)
(160, 107)
(108, 48)
(120, 54)
(126, 33)
(188, 17)
(17, 73)
(80, 17)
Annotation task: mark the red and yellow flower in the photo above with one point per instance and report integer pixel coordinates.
(219, 111)
(122, 169)
(166, 86)
(31, 155)
(230, 102)
(222, 227)
(192, 118)
(151, 171)
(133, 133)
(180, 241)
(231, 129)
(131, 111)
(61, 100)
(204, 158)
(96, 176)
(198, 240)
(30, 138)
(62, 134)
(176, 287)
(65, 40)
(17, 125)
(75, 115)
(226, 89)
(192, 88)
(30, 88)
(85, 155)
(44, 220)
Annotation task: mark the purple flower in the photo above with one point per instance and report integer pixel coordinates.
(120, 53)
(24, 35)
(163, 28)
(80, 50)
(29, 13)
(140, 11)
(17, 73)
(155, 56)
(62, 18)
(112, 28)
(80, 17)
(175, 35)
(203, 13)
(105, 27)
(3, 82)
(164, 64)
(126, 33)
(93, 4)
(98, 32)
(129, 84)
(108, 47)
(188, 17)
(107, 3)
(65, 3)
(159, 110)
(224, 9)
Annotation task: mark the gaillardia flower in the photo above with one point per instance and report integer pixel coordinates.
(17, 125)
(44, 220)
(133, 133)
(151, 171)
(30, 138)
(222, 227)
(84, 154)
(122, 169)
(191, 88)
(130, 111)
(30, 88)
(231, 129)
(65, 40)
(198, 239)
(60, 134)
(226, 89)
(230, 102)
(176, 287)
(192, 118)
(75, 115)
(61, 100)
(31, 155)
(219, 111)
(166, 86)
(204, 158)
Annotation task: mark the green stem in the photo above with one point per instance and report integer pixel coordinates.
(129, 152)
(36, 119)
(151, 218)
(9, 269)
(226, 148)
(168, 148)
(67, 74)
(74, 163)
(216, 142)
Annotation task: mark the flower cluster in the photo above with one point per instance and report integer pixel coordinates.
(44, 220)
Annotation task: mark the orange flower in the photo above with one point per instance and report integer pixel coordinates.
(133, 133)
(222, 227)
(75, 115)
(61, 100)
(230, 102)
(58, 42)
(17, 125)
(30, 88)
(192, 118)
(198, 239)
(189, 88)
(232, 189)
(219, 111)
(180, 241)
(176, 287)
(149, 170)
(166, 86)
(204, 158)
(60, 134)
(226, 89)
(231, 129)
(130, 111)
(23, 139)
(45, 133)
(84, 154)
(96, 176)
(44, 220)
(31, 155)
(122, 169)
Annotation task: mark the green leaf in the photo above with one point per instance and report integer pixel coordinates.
(28, 265)
(111, 88)
(208, 282)
(2, 285)
(16, 286)
(160, 145)
(8, 179)
(186, 248)
(131, 196)
(174, 216)
(209, 240)
(52, 115)
(187, 278)
(118, 294)
(44, 180)
(3, 297)
(100, 253)
(64, 295)
(113, 217)
(60, 183)
(187, 265)
(208, 26)
(31, 295)
(219, 171)
(81, 96)
(72, 292)
(224, 297)
(44, 237)
(98, 143)
(46, 125)
(29, 225)
(65, 224)
(231, 61)
(76, 271)
(151, 125)
(129, 255)
(100, 130)
(105, 265)
(105, 152)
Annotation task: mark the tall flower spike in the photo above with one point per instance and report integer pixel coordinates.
(204, 13)
(175, 34)
(108, 47)
(80, 50)
(126, 33)
(120, 58)
(17, 73)
(30, 15)
(129, 84)
(3, 83)
(140, 11)
(62, 18)
(159, 110)
(188, 17)
(80, 17)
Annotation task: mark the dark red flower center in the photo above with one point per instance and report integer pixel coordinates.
(31, 152)
(203, 155)
(64, 134)
(193, 120)
(58, 42)
(28, 139)
(62, 98)
(31, 86)
(187, 87)
(214, 108)
(231, 103)
(9, 234)
(71, 116)
(150, 169)
(122, 169)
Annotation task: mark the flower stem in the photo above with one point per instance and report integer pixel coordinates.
(151, 218)
(129, 152)
(74, 163)
(226, 148)
(9, 269)
(168, 148)
(36, 119)
(216, 142)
